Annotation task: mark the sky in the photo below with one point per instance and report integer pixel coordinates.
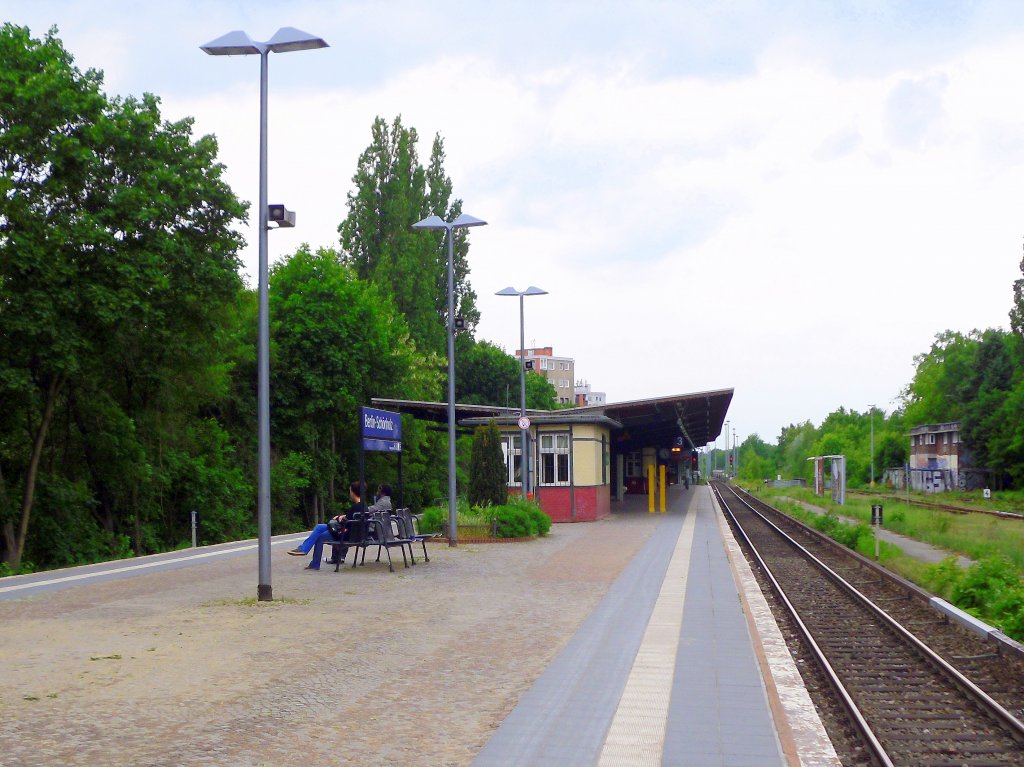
(789, 199)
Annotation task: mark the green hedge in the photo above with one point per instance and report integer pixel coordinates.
(516, 519)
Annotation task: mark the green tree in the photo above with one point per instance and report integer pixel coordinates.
(1017, 310)
(796, 445)
(941, 379)
(756, 459)
(337, 342)
(488, 482)
(487, 375)
(392, 192)
(116, 257)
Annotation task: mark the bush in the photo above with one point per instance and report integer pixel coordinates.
(432, 520)
(984, 583)
(942, 578)
(519, 519)
(511, 522)
(541, 522)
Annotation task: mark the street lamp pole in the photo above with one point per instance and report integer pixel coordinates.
(872, 446)
(463, 221)
(725, 463)
(530, 291)
(238, 43)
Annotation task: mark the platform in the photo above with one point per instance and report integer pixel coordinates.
(680, 663)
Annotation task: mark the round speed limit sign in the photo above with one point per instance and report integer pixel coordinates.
(524, 422)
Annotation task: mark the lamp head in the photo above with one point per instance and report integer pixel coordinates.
(431, 222)
(530, 291)
(235, 43)
(238, 43)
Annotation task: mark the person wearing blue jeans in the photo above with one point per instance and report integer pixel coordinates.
(321, 534)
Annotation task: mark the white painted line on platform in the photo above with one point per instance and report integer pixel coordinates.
(637, 732)
(129, 568)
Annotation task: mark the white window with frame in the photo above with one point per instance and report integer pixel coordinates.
(554, 459)
(634, 464)
(956, 437)
(931, 439)
(512, 451)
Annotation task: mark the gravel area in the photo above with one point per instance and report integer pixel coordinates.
(360, 667)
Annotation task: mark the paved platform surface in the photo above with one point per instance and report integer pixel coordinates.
(664, 671)
(633, 634)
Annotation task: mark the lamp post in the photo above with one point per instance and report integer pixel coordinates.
(872, 446)
(530, 291)
(463, 221)
(725, 462)
(238, 43)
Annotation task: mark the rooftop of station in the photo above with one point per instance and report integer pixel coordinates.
(697, 417)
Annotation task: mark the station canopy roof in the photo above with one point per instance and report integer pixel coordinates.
(657, 422)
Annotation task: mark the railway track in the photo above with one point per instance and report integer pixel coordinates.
(952, 509)
(916, 689)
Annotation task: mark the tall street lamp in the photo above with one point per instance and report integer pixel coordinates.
(872, 446)
(238, 43)
(530, 291)
(725, 466)
(462, 222)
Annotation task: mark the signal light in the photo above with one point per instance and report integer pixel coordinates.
(694, 459)
(730, 459)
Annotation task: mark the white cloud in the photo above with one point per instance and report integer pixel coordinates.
(791, 203)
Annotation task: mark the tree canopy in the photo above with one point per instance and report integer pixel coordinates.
(117, 256)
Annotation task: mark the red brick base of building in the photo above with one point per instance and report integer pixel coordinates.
(592, 503)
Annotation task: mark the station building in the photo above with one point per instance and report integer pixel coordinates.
(585, 459)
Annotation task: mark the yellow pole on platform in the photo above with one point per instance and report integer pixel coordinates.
(650, 489)
(661, 484)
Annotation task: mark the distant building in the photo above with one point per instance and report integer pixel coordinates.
(935, 446)
(584, 395)
(939, 461)
(558, 370)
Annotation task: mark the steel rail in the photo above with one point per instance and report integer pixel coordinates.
(857, 719)
(993, 707)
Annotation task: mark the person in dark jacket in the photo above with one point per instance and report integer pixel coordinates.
(322, 533)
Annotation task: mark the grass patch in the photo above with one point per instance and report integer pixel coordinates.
(254, 602)
(990, 589)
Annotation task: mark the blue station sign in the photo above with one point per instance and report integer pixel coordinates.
(381, 429)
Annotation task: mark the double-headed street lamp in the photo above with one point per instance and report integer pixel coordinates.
(238, 43)
(462, 222)
(530, 291)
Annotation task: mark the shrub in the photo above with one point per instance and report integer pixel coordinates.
(943, 578)
(512, 522)
(1009, 612)
(541, 522)
(432, 520)
(984, 582)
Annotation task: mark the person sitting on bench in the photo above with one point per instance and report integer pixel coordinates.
(322, 533)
